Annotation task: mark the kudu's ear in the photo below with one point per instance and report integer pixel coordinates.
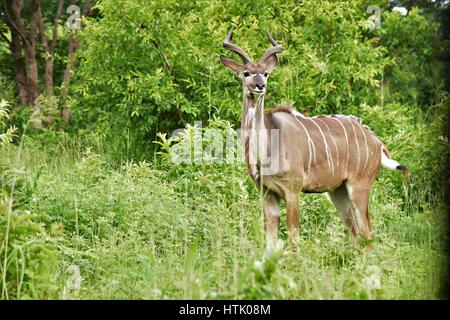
(271, 62)
(231, 64)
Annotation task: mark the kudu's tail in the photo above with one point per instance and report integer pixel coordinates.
(389, 163)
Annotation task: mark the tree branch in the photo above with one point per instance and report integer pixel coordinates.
(16, 22)
(41, 26)
(166, 61)
(86, 7)
(55, 25)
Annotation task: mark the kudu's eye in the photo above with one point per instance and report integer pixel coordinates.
(266, 74)
(246, 73)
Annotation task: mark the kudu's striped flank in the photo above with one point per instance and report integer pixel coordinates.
(335, 154)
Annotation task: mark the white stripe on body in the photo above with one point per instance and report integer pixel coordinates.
(388, 162)
(367, 147)
(346, 139)
(357, 144)
(327, 149)
(311, 146)
(334, 140)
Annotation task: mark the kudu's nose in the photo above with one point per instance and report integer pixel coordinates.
(260, 86)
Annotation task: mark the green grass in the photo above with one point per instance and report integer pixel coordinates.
(80, 220)
(151, 231)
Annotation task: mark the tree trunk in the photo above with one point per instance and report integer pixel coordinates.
(13, 11)
(21, 76)
(48, 75)
(32, 70)
(49, 48)
(30, 54)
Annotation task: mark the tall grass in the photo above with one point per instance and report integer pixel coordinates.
(77, 222)
(152, 230)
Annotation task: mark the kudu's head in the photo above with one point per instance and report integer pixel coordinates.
(254, 75)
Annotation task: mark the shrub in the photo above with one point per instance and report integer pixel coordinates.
(151, 67)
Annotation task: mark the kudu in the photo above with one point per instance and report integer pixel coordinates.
(334, 154)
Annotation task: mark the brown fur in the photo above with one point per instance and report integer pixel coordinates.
(335, 154)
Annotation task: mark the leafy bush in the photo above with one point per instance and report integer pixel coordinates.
(416, 45)
(157, 229)
(153, 66)
(5, 137)
(27, 261)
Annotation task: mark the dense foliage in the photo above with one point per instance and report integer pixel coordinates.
(95, 208)
(160, 68)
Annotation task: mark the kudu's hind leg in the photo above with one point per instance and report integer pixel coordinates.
(271, 207)
(342, 202)
(359, 196)
(291, 199)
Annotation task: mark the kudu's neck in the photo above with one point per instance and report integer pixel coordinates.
(254, 135)
(252, 113)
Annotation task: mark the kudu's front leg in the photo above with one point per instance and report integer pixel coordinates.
(271, 206)
(292, 205)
